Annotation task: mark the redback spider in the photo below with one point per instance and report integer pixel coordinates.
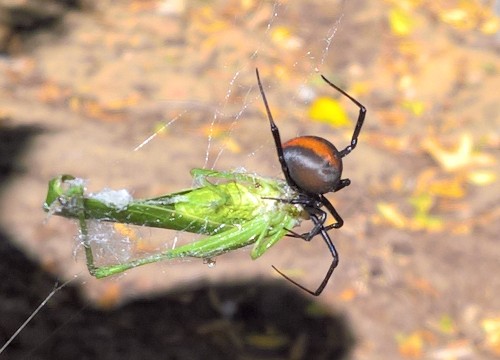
(312, 166)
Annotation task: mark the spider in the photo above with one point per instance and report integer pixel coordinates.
(312, 166)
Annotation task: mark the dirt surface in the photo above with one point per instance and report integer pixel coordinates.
(419, 249)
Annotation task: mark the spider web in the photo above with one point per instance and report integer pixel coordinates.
(304, 43)
(284, 42)
(289, 45)
(308, 50)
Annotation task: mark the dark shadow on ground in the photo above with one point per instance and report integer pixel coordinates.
(20, 20)
(259, 320)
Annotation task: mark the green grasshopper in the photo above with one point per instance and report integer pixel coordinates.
(241, 210)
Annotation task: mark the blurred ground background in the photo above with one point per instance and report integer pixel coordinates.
(84, 83)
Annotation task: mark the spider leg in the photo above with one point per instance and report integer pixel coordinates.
(333, 265)
(312, 208)
(311, 203)
(320, 218)
(359, 122)
(342, 184)
(339, 221)
(296, 235)
(276, 135)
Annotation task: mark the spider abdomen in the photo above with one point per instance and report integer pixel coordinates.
(314, 164)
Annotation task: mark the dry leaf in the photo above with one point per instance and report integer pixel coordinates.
(348, 294)
(491, 26)
(411, 346)
(391, 214)
(459, 158)
(482, 177)
(231, 145)
(460, 349)
(460, 18)
(282, 36)
(422, 219)
(491, 327)
(416, 107)
(111, 295)
(449, 188)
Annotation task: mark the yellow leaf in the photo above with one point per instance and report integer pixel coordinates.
(421, 218)
(282, 36)
(392, 214)
(232, 145)
(416, 107)
(461, 157)
(427, 222)
(422, 203)
(492, 329)
(482, 178)
(450, 188)
(401, 22)
(411, 346)
(328, 110)
(491, 26)
(457, 17)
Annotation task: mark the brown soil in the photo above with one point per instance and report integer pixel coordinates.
(80, 95)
